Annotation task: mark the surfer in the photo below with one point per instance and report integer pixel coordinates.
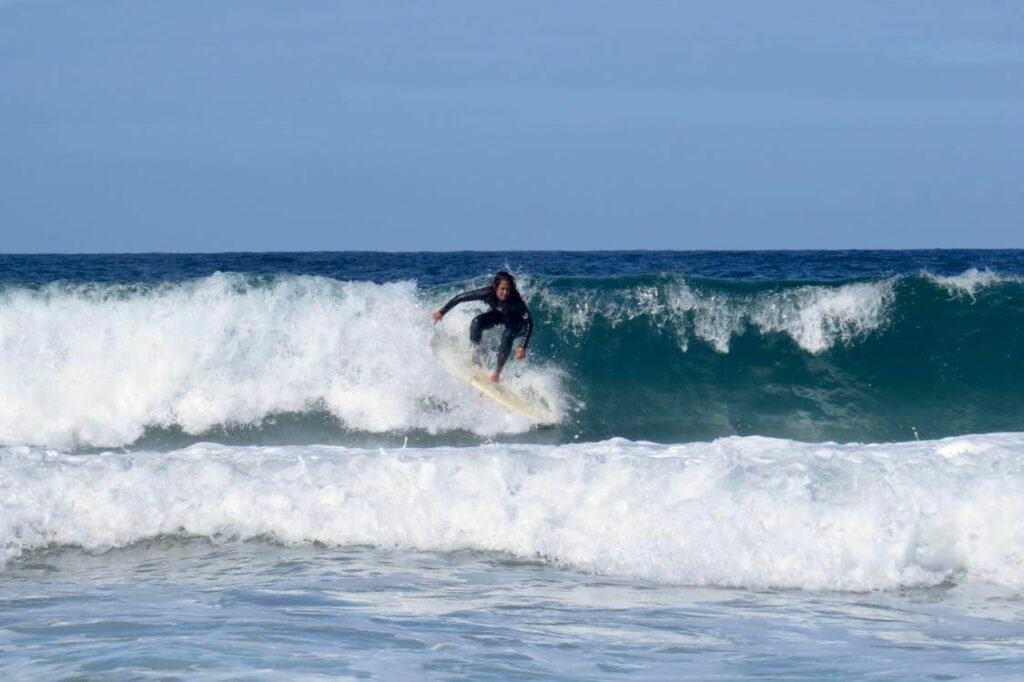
(507, 308)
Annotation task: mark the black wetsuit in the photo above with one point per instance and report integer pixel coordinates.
(512, 312)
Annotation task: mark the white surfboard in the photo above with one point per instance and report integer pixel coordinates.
(534, 410)
(526, 405)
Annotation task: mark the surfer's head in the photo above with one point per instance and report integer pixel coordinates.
(503, 284)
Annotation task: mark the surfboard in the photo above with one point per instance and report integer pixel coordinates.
(525, 405)
(535, 411)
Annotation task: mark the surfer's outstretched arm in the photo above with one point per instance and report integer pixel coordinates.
(474, 295)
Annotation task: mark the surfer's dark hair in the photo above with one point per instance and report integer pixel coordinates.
(503, 276)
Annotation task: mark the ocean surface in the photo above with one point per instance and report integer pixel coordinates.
(766, 464)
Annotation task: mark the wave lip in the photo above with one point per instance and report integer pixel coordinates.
(816, 317)
(750, 512)
(971, 281)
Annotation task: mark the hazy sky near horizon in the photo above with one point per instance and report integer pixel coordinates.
(250, 125)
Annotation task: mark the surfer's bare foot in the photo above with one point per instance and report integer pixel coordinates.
(495, 377)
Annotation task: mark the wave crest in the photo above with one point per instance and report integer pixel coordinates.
(815, 317)
(970, 282)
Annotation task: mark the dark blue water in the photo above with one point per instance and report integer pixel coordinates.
(430, 268)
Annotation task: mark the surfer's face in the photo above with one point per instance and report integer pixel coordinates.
(501, 291)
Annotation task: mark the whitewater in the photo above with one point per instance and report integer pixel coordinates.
(766, 465)
(745, 512)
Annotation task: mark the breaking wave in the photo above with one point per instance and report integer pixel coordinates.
(752, 512)
(646, 357)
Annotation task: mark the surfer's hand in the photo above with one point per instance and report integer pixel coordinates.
(520, 353)
(436, 315)
(495, 377)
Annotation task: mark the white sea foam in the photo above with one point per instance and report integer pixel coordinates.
(970, 282)
(95, 364)
(818, 318)
(739, 511)
(815, 317)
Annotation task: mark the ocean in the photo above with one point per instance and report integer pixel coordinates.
(771, 465)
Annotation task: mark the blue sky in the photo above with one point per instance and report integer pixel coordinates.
(247, 125)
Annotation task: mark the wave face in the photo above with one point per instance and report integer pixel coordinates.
(893, 358)
(752, 512)
(302, 358)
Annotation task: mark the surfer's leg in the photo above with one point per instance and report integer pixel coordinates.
(476, 331)
(480, 323)
(505, 347)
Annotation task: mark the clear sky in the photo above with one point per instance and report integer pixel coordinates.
(250, 125)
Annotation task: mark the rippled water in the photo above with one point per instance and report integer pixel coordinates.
(191, 609)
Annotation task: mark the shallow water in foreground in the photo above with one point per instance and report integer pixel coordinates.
(192, 609)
